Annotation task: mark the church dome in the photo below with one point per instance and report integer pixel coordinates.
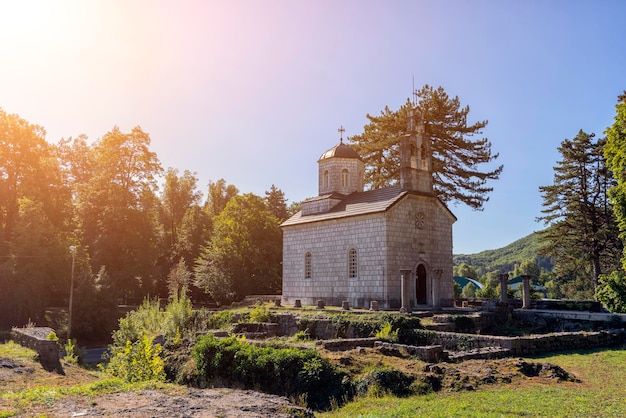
(340, 150)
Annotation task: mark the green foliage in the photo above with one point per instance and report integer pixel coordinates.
(465, 270)
(285, 371)
(137, 362)
(469, 291)
(506, 258)
(73, 354)
(611, 291)
(456, 156)
(178, 315)
(219, 320)
(581, 233)
(528, 267)
(260, 313)
(116, 209)
(95, 306)
(383, 380)
(385, 333)
(488, 292)
(52, 336)
(178, 279)
(615, 154)
(301, 336)
(457, 290)
(149, 320)
(244, 254)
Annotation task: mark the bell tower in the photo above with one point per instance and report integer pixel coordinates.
(416, 170)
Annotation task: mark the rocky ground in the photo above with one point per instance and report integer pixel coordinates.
(179, 401)
(172, 402)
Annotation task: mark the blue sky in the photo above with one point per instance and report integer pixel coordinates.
(254, 91)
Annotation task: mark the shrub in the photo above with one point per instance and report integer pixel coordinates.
(73, 354)
(283, 371)
(611, 291)
(178, 315)
(383, 380)
(220, 319)
(146, 320)
(385, 333)
(260, 313)
(136, 362)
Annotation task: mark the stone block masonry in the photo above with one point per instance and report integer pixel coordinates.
(35, 338)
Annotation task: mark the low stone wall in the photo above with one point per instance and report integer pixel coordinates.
(345, 344)
(532, 344)
(35, 338)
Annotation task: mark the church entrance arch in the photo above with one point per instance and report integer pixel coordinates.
(420, 285)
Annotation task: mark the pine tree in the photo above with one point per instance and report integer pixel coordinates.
(581, 233)
(456, 156)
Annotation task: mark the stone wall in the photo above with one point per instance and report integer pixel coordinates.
(35, 338)
(329, 243)
(532, 344)
(420, 232)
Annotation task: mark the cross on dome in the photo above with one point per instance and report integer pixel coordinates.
(341, 130)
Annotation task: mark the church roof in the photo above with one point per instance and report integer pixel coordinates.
(355, 204)
(341, 150)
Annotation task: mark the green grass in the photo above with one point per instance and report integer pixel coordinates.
(16, 351)
(601, 393)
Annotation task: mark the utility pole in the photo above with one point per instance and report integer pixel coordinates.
(69, 317)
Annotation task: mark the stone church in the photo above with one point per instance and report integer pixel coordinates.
(391, 245)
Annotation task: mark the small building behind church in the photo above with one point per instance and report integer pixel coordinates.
(391, 245)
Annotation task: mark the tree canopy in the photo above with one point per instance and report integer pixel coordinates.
(458, 159)
(244, 254)
(615, 154)
(581, 233)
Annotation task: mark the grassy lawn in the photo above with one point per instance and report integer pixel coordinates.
(601, 393)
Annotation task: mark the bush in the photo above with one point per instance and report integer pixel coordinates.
(136, 362)
(383, 380)
(146, 320)
(220, 319)
(283, 371)
(261, 313)
(385, 333)
(611, 291)
(73, 354)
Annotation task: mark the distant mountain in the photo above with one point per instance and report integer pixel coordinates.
(505, 258)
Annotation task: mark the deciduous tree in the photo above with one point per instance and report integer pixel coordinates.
(615, 154)
(244, 254)
(117, 209)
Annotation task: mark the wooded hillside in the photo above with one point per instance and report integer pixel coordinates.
(505, 258)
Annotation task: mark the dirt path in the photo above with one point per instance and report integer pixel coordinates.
(188, 403)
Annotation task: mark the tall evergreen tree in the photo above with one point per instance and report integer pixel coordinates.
(581, 235)
(456, 156)
(276, 202)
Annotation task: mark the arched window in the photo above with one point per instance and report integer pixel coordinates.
(326, 180)
(353, 269)
(307, 265)
(345, 178)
